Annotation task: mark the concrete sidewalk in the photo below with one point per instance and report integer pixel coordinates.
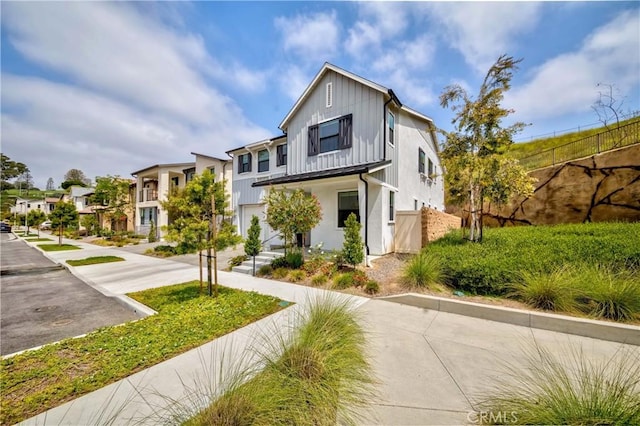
(433, 367)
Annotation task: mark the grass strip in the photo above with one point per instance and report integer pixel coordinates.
(58, 247)
(34, 240)
(95, 260)
(38, 380)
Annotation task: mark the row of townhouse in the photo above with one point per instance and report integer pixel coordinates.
(347, 140)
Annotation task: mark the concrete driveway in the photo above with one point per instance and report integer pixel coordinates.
(41, 302)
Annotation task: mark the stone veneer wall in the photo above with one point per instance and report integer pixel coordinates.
(436, 223)
(604, 187)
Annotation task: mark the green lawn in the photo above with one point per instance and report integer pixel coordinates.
(490, 266)
(36, 381)
(94, 260)
(58, 247)
(35, 240)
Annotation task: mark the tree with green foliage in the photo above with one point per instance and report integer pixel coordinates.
(352, 248)
(69, 183)
(35, 218)
(152, 236)
(10, 170)
(476, 167)
(90, 223)
(113, 196)
(63, 215)
(77, 175)
(195, 224)
(252, 245)
(292, 212)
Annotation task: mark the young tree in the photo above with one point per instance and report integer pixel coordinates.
(352, 248)
(473, 154)
(253, 244)
(195, 211)
(292, 213)
(63, 215)
(609, 109)
(112, 194)
(35, 218)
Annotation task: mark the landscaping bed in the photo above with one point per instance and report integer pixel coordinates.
(95, 260)
(38, 380)
(58, 247)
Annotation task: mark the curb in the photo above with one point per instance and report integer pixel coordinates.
(621, 333)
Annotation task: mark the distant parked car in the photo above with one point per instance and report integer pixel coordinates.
(5, 227)
(45, 225)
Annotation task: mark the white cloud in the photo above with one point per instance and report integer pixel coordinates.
(567, 83)
(293, 81)
(314, 37)
(132, 91)
(483, 31)
(379, 21)
(410, 54)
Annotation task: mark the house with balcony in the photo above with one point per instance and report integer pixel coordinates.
(355, 146)
(154, 183)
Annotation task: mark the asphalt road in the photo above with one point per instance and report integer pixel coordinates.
(41, 302)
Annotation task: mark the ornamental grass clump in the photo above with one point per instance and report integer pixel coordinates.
(422, 270)
(611, 295)
(570, 389)
(555, 291)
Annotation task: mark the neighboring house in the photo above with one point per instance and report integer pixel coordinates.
(79, 196)
(357, 148)
(23, 205)
(154, 183)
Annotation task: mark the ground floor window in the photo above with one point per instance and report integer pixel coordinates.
(347, 204)
(148, 214)
(391, 205)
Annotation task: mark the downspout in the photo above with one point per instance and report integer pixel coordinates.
(366, 220)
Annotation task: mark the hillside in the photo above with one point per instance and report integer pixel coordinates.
(524, 149)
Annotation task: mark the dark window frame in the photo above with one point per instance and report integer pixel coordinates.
(421, 160)
(344, 136)
(343, 213)
(391, 120)
(263, 165)
(281, 155)
(244, 166)
(430, 168)
(392, 206)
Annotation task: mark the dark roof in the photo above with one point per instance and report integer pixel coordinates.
(323, 174)
(273, 139)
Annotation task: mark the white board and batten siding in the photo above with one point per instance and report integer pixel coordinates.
(347, 97)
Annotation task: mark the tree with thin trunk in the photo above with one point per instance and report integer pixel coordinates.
(50, 185)
(63, 215)
(253, 244)
(474, 155)
(194, 212)
(35, 218)
(113, 196)
(292, 212)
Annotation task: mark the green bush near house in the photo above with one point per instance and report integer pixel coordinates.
(297, 275)
(94, 260)
(422, 270)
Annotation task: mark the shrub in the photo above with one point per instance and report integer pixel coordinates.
(343, 281)
(312, 266)
(555, 291)
(297, 276)
(265, 270)
(575, 391)
(237, 260)
(422, 270)
(352, 248)
(319, 279)
(280, 273)
(294, 259)
(359, 278)
(614, 296)
(372, 287)
(279, 262)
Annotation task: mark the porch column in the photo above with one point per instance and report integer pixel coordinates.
(364, 216)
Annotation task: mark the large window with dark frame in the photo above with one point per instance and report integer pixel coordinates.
(421, 160)
(330, 136)
(347, 204)
(263, 161)
(244, 163)
(281, 155)
(392, 196)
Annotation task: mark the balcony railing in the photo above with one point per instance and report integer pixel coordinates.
(147, 194)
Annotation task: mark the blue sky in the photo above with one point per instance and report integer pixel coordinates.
(111, 88)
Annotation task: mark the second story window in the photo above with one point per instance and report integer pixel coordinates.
(430, 170)
(330, 135)
(263, 161)
(281, 151)
(244, 163)
(391, 123)
(421, 160)
(174, 182)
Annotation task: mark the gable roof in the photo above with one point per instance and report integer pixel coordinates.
(256, 144)
(330, 67)
(211, 157)
(81, 191)
(176, 165)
